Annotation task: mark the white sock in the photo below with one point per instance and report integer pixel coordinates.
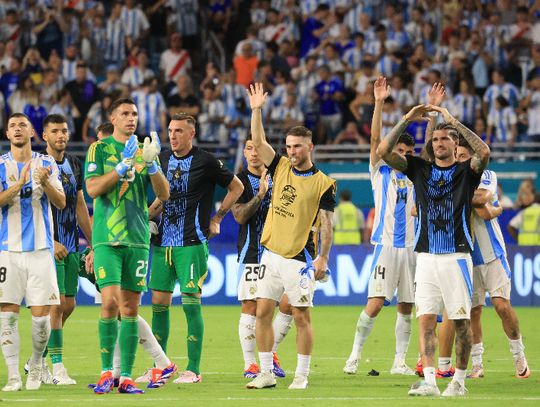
(151, 345)
(282, 324)
(444, 364)
(116, 361)
(477, 351)
(459, 376)
(517, 348)
(41, 330)
(403, 335)
(246, 333)
(267, 361)
(10, 341)
(363, 329)
(429, 375)
(302, 365)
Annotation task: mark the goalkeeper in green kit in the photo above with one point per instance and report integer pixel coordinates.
(117, 172)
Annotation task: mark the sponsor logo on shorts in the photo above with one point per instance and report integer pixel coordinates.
(142, 283)
(101, 273)
(190, 285)
(303, 299)
(461, 312)
(53, 297)
(7, 342)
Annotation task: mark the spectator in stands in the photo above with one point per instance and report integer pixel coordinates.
(212, 76)
(152, 109)
(36, 112)
(10, 79)
(353, 56)
(525, 226)
(315, 28)
(391, 114)
(134, 76)
(24, 94)
(212, 117)
(135, 22)
(350, 135)
(184, 20)
(480, 128)
(84, 93)
(112, 83)
(277, 61)
(287, 115)
(401, 95)
(6, 55)
(466, 106)
(330, 93)
(348, 221)
(502, 123)
(64, 106)
(115, 51)
(49, 29)
(531, 103)
(33, 65)
(98, 43)
(98, 114)
(175, 61)
(69, 63)
(10, 29)
(245, 65)
(257, 45)
(499, 88)
(233, 94)
(504, 201)
(525, 195)
(181, 99)
(361, 108)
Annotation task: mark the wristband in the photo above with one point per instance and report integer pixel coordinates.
(122, 169)
(152, 167)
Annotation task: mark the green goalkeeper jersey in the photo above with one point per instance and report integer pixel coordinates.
(120, 215)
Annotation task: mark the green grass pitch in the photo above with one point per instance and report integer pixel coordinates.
(223, 384)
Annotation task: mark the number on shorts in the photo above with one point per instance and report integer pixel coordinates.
(3, 272)
(379, 271)
(252, 271)
(262, 269)
(141, 270)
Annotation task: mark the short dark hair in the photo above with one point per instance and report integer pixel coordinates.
(105, 128)
(53, 118)
(300, 131)
(464, 143)
(452, 132)
(406, 139)
(345, 195)
(15, 115)
(120, 101)
(249, 137)
(184, 116)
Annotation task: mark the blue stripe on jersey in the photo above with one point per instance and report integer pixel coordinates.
(27, 217)
(244, 248)
(4, 230)
(200, 234)
(400, 216)
(46, 220)
(466, 276)
(506, 267)
(476, 254)
(417, 227)
(376, 255)
(465, 229)
(385, 171)
(173, 233)
(440, 211)
(497, 247)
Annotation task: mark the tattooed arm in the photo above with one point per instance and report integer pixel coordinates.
(243, 211)
(155, 209)
(385, 149)
(481, 150)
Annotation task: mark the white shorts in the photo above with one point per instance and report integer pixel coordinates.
(493, 278)
(247, 286)
(392, 269)
(443, 281)
(278, 275)
(28, 275)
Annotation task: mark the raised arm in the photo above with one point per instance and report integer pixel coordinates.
(381, 90)
(435, 97)
(257, 99)
(480, 159)
(386, 146)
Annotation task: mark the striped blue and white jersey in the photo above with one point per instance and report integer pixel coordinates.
(116, 41)
(465, 107)
(68, 69)
(134, 76)
(150, 107)
(508, 90)
(135, 21)
(488, 237)
(353, 57)
(27, 222)
(393, 193)
(502, 120)
(185, 16)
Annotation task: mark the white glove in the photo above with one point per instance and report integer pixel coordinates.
(151, 149)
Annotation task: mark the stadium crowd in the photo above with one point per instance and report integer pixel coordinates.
(317, 59)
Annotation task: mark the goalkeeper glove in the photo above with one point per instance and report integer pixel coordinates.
(151, 149)
(129, 152)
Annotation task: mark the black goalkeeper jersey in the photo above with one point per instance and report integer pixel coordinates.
(186, 215)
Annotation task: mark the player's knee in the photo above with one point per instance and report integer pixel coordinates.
(249, 307)
(301, 317)
(502, 306)
(264, 312)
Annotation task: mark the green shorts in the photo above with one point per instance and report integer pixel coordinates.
(188, 265)
(121, 265)
(67, 274)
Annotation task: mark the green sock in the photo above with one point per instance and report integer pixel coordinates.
(128, 340)
(195, 325)
(108, 332)
(55, 345)
(161, 324)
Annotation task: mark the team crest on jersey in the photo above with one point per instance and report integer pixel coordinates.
(65, 179)
(177, 174)
(92, 167)
(288, 195)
